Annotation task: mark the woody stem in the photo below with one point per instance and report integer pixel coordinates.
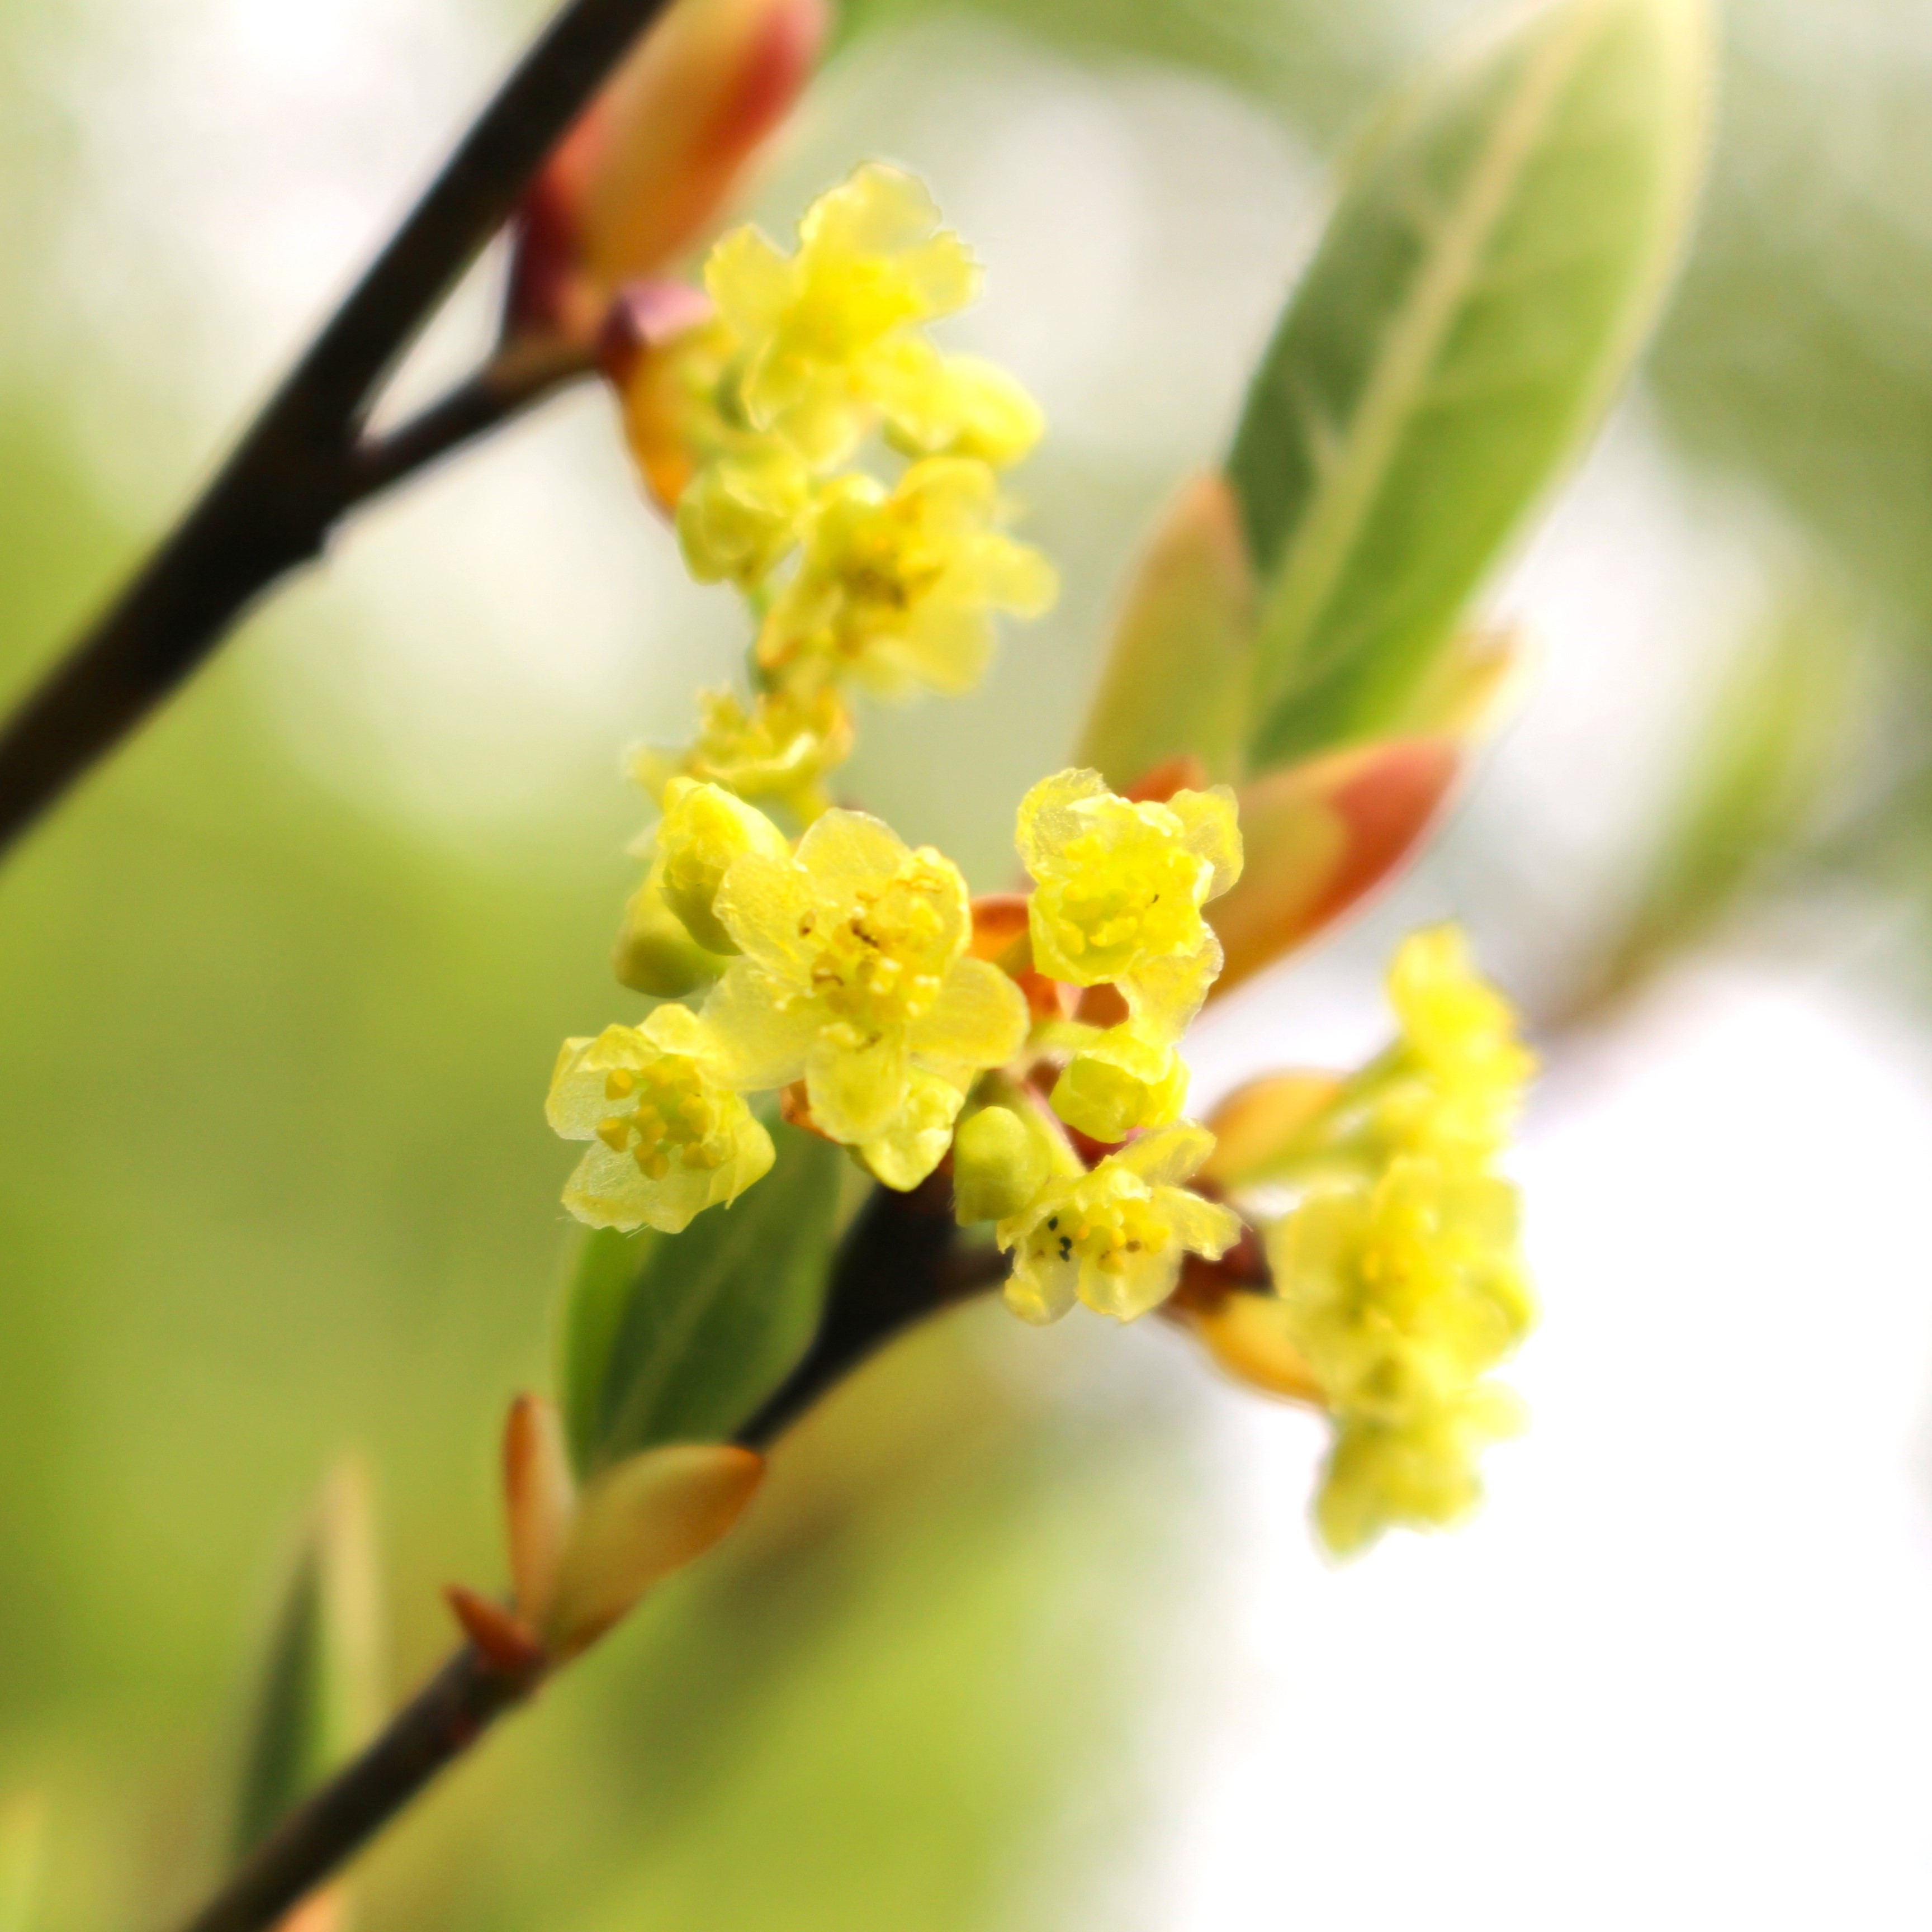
(305, 462)
(893, 1270)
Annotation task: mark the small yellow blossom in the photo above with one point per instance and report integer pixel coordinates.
(823, 331)
(1120, 887)
(668, 1143)
(899, 589)
(704, 831)
(1453, 1085)
(961, 406)
(782, 748)
(1127, 1078)
(1400, 1295)
(1115, 1238)
(855, 977)
(1420, 1475)
(742, 513)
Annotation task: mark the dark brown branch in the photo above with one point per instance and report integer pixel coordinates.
(447, 1716)
(523, 374)
(298, 468)
(893, 1268)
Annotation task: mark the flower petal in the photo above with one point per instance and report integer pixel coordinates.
(759, 1034)
(845, 850)
(857, 1093)
(979, 1019)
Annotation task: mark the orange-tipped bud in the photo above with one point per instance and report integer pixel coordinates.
(539, 1502)
(1320, 837)
(653, 162)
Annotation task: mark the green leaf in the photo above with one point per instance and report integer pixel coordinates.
(1180, 675)
(678, 1338)
(320, 1694)
(1748, 793)
(1503, 239)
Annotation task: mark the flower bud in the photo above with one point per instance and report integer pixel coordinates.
(705, 828)
(1125, 1080)
(656, 953)
(1000, 1163)
(655, 159)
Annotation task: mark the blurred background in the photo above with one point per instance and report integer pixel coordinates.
(1028, 1632)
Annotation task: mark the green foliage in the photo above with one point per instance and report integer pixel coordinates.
(1502, 237)
(678, 1338)
(1749, 788)
(1180, 674)
(320, 1696)
(20, 1835)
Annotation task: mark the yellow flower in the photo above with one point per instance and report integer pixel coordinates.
(743, 512)
(1420, 1475)
(1120, 887)
(824, 331)
(668, 1143)
(1453, 1085)
(898, 590)
(960, 406)
(1115, 1238)
(1400, 1295)
(1126, 1079)
(704, 831)
(782, 748)
(855, 977)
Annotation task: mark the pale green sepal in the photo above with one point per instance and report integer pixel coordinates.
(1504, 236)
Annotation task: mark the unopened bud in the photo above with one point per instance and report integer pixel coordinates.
(1123, 1082)
(654, 161)
(1000, 1163)
(656, 953)
(705, 830)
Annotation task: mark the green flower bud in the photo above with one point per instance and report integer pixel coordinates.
(1000, 1163)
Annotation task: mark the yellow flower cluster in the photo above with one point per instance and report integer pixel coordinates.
(842, 968)
(741, 426)
(1120, 889)
(1399, 1281)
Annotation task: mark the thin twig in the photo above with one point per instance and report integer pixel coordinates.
(892, 1270)
(523, 374)
(299, 467)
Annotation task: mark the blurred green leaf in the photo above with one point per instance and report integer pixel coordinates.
(321, 1692)
(1503, 236)
(1750, 787)
(1180, 674)
(678, 1338)
(22, 1824)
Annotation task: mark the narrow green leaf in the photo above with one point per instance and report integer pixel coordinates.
(1503, 239)
(678, 1338)
(320, 1694)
